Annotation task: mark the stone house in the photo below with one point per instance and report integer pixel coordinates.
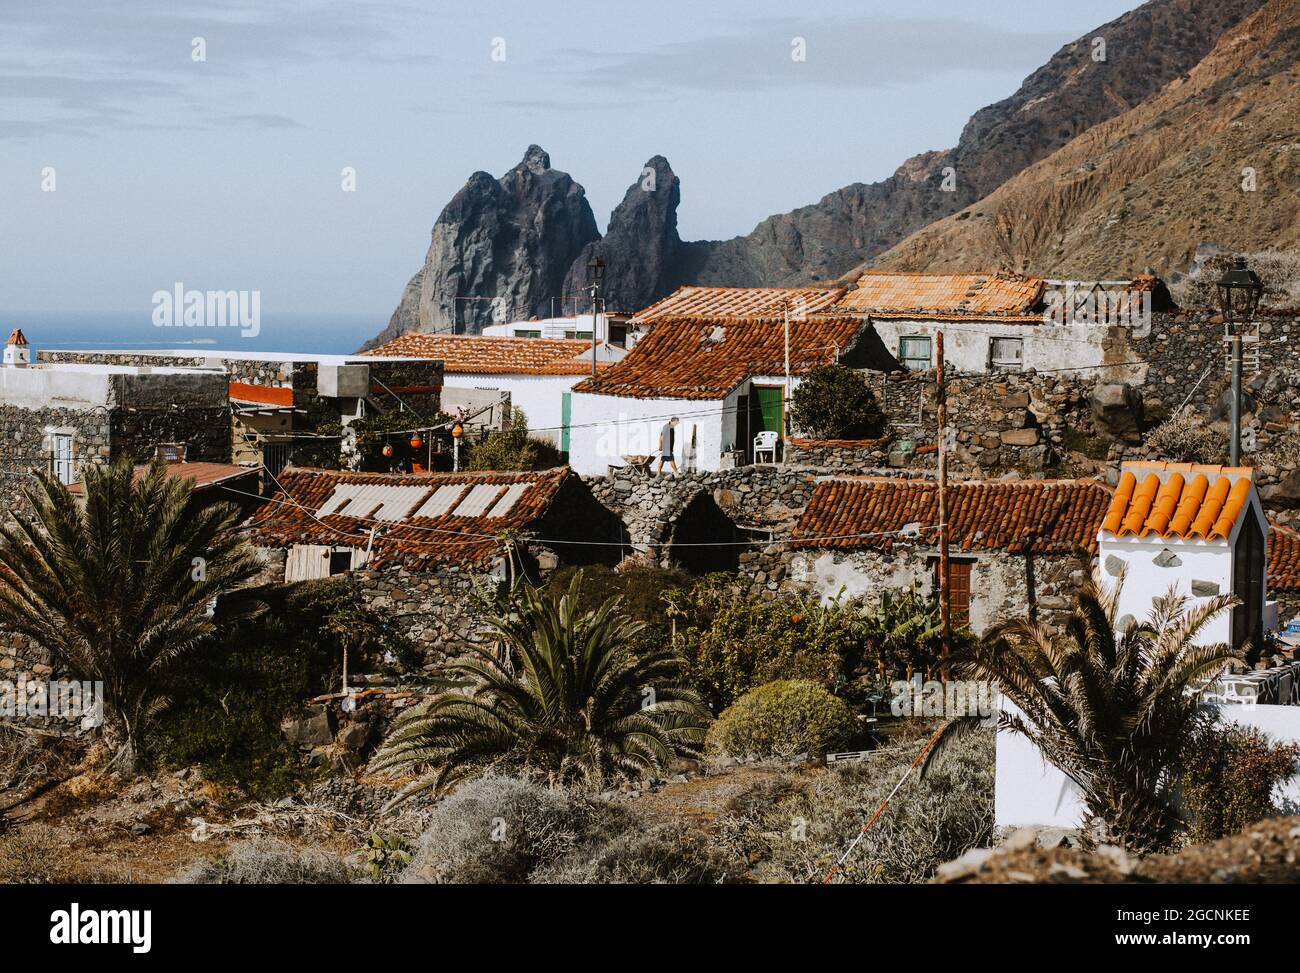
(417, 542)
(1015, 547)
(723, 377)
(59, 417)
(1004, 322)
(1197, 530)
(536, 374)
(278, 400)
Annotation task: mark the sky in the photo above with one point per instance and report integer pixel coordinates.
(206, 144)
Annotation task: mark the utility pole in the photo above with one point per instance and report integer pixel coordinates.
(1234, 446)
(786, 305)
(945, 600)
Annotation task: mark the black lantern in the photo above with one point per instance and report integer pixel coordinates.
(595, 270)
(1239, 293)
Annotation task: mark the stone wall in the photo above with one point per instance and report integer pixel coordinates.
(436, 609)
(836, 454)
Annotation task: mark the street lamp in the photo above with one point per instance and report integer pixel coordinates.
(595, 273)
(1239, 292)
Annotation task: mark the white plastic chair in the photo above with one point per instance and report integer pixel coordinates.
(765, 442)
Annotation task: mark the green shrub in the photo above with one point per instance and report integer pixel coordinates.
(660, 855)
(511, 448)
(1187, 439)
(833, 402)
(780, 719)
(1228, 773)
(229, 701)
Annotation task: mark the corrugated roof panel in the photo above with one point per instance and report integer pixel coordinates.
(477, 500)
(442, 500)
(380, 501)
(509, 499)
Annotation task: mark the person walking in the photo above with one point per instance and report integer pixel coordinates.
(667, 440)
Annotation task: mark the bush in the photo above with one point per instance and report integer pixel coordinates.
(781, 719)
(269, 862)
(1186, 439)
(833, 402)
(512, 449)
(231, 700)
(732, 642)
(1228, 773)
(661, 855)
(794, 832)
(500, 830)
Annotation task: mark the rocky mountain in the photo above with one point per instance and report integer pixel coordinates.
(641, 248)
(504, 242)
(1215, 156)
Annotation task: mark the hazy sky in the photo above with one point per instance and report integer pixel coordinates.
(226, 173)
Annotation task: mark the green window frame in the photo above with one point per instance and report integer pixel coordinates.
(915, 352)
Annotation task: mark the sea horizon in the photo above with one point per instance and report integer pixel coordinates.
(305, 332)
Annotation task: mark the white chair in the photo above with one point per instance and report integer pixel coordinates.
(765, 442)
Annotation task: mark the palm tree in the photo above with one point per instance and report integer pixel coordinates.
(1110, 707)
(120, 589)
(577, 704)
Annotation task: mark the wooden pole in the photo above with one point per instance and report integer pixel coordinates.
(945, 600)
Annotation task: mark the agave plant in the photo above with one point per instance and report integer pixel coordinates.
(575, 703)
(1110, 707)
(118, 591)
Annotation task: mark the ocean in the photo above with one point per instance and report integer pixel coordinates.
(323, 333)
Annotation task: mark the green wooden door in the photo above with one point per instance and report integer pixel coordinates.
(566, 412)
(770, 408)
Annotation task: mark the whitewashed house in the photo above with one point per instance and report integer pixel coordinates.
(724, 378)
(1199, 530)
(538, 373)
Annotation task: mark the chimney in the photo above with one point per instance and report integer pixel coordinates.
(17, 351)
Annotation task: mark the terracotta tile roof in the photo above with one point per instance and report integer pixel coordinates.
(1283, 559)
(1039, 516)
(946, 296)
(1178, 500)
(492, 355)
(740, 302)
(16, 337)
(706, 358)
(429, 521)
(261, 394)
(204, 475)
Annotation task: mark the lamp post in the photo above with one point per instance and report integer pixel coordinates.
(1239, 292)
(595, 272)
(456, 432)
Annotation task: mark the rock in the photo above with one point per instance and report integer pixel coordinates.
(1117, 408)
(511, 240)
(1049, 838)
(641, 249)
(1020, 838)
(356, 736)
(963, 867)
(1020, 437)
(316, 727)
(139, 828)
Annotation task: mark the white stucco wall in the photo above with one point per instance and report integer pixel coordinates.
(967, 343)
(540, 396)
(1030, 791)
(607, 427)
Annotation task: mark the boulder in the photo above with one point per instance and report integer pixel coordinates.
(315, 728)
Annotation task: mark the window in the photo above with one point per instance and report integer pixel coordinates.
(1007, 353)
(61, 451)
(586, 335)
(340, 560)
(914, 353)
(528, 333)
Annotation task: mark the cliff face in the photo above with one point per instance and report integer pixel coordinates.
(514, 244)
(1146, 188)
(641, 248)
(506, 243)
